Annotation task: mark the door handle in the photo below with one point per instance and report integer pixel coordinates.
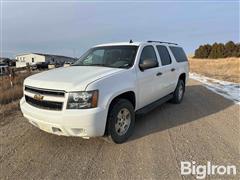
(159, 74)
(173, 69)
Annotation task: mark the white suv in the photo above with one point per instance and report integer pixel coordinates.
(100, 94)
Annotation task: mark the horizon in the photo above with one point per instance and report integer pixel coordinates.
(46, 53)
(70, 29)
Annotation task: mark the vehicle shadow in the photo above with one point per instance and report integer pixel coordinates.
(198, 103)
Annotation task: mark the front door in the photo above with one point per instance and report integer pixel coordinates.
(148, 80)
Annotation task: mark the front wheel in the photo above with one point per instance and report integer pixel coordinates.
(179, 92)
(121, 120)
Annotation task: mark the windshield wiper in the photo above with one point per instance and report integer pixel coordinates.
(124, 66)
(102, 65)
(87, 65)
(95, 65)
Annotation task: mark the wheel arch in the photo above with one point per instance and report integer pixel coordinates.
(182, 76)
(128, 95)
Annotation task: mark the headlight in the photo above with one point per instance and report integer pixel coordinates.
(82, 100)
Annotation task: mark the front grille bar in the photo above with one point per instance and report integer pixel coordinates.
(49, 92)
(42, 104)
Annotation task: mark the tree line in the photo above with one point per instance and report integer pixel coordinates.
(218, 50)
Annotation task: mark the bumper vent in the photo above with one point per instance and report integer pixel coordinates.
(50, 105)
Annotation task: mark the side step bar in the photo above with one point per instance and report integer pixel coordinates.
(154, 105)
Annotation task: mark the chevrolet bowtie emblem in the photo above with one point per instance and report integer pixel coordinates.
(38, 97)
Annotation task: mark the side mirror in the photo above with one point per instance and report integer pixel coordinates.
(147, 64)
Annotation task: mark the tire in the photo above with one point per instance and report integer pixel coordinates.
(121, 120)
(179, 92)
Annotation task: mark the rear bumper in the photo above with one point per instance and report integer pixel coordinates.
(82, 123)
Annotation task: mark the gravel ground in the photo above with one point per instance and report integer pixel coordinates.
(205, 127)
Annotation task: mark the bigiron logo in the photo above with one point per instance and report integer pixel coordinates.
(201, 171)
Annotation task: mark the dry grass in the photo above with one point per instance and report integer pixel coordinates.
(9, 108)
(10, 95)
(227, 69)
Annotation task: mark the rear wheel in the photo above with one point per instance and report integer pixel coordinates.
(121, 120)
(179, 92)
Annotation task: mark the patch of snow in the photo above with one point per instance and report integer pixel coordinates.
(227, 89)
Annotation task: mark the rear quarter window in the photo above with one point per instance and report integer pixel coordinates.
(178, 53)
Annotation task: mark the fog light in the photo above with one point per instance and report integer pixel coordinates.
(79, 131)
(55, 130)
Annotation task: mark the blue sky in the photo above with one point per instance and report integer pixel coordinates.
(71, 28)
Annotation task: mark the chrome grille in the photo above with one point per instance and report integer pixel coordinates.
(42, 104)
(48, 92)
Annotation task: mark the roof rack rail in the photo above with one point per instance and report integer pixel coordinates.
(162, 42)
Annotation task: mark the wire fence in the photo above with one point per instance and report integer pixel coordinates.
(11, 88)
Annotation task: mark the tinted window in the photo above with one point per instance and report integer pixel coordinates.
(179, 54)
(164, 55)
(148, 52)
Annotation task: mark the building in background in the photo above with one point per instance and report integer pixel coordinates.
(7, 61)
(39, 58)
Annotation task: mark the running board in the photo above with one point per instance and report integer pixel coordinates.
(154, 105)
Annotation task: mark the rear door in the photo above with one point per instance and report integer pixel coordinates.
(167, 69)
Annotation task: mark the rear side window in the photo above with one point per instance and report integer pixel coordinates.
(148, 52)
(164, 55)
(179, 54)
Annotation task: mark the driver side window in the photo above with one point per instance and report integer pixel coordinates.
(148, 52)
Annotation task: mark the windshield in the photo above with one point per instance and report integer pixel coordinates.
(109, 56)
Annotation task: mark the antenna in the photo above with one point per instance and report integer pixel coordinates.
(131, 41)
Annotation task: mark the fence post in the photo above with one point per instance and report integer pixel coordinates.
(11, 75)
(28, 69)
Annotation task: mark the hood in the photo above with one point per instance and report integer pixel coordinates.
(73, 78)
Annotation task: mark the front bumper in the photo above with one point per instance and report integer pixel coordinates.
(82, 122)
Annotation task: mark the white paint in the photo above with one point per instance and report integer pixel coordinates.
(226, 89)
(201, 171)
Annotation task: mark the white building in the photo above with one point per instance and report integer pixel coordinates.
(35, 58)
